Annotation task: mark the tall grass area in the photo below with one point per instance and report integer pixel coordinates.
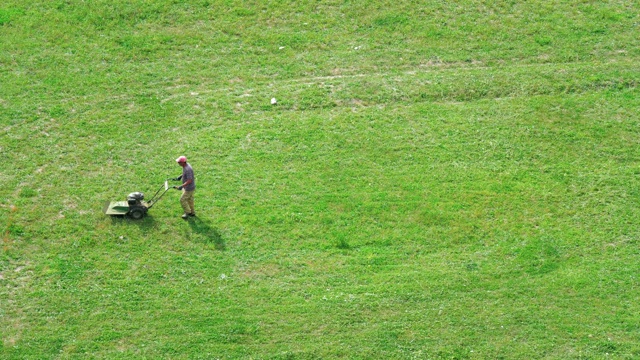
(437, 180)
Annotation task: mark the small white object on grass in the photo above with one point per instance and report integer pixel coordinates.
(274, 101)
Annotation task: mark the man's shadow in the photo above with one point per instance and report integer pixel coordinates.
(207, 233)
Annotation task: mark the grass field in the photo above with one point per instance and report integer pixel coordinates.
(438, 180)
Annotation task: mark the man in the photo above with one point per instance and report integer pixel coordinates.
(188, 187)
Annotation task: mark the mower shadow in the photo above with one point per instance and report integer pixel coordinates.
(208, 233)
(146, 222)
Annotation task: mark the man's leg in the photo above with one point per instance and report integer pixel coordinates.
(186, 200)
(192, 204)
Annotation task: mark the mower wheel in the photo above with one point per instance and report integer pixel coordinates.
(136, 214)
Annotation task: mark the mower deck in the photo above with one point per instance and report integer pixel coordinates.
(117, 208)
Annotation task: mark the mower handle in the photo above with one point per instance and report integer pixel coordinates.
(153, 199)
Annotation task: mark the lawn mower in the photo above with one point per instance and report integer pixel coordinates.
(135, 206)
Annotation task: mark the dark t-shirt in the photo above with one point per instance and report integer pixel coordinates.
(187, 173)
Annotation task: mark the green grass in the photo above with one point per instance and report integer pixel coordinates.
(454, 181)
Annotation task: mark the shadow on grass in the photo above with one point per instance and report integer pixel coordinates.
(146, 222)
(206, 232)
(201, 230)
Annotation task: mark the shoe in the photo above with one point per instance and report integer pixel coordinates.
(185, 216)
(192, 214)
